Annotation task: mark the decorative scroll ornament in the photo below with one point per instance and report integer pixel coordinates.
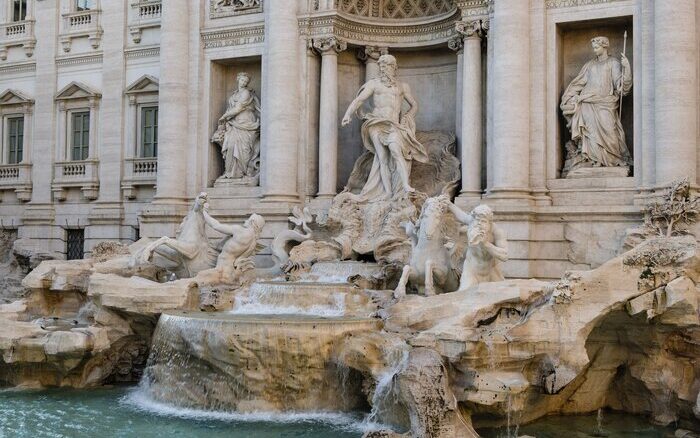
(324, 45)
(472, 29)
(456, 44)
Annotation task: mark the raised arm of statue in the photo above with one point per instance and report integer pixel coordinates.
(362, 95)
(218, 226)
(498, 249)
(622, 73)
(461, 216)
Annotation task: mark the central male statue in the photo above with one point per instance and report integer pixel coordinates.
(388, 133)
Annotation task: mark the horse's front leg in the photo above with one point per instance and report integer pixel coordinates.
(147, 252)
(400, 290)
(429, 285)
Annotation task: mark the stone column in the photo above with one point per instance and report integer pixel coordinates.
(471, 124)
(456, 44)
(280, 102)
(370, 55)
(676, 100)
(328, 116)
(511, 101)
(173, 126)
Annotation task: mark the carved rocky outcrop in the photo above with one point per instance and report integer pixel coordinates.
(622, 336)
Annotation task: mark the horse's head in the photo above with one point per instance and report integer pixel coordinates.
(431, 220)
(193, 225)
(200, 201)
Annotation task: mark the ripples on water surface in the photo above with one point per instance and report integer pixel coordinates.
(614, 425)
(126, 413)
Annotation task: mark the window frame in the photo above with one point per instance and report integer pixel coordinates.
(7, 149)
(75, 7)
(70, 133)
(140, 139)
(11, 15)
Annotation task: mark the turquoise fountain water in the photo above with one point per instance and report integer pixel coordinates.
(126, 413)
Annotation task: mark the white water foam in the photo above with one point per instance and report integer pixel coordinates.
(139, 399)
(262, 301)
(266, 309)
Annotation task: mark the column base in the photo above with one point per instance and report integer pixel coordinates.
(271, 197)
(468, 200)
(510, 196)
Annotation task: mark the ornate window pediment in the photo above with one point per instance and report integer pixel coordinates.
(144, 84)
(77, 90)
(14, 97)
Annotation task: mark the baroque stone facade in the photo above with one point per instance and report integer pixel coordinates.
(116, 105)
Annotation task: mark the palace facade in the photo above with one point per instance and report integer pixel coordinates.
(109, 107)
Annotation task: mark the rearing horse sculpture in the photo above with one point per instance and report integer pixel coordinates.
(431, 267)
(190, 251)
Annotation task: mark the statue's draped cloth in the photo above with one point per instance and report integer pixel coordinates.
(242, 139)
(594, 120)
(388, 131)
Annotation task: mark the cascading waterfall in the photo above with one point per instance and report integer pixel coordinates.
(301, 298)
(386, 406)
(248, 363)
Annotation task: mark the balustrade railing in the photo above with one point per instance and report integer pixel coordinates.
(149, 9)
(18, 33)
(9, 172)
(80, 24)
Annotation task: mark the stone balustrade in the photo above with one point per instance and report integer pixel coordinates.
(18, 33)
(145, 14)
(138, 172)
(80, 174)
(81, 24)
(17, 177)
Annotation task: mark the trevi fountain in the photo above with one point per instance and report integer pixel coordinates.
(351, 218)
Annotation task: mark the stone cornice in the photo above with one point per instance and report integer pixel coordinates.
(215, 38)
(381, 34)
(475, 8)
(554, 4)
(24, 67)
(77, 60)
(142, 52)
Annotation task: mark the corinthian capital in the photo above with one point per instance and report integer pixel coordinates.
(329, 45)
(472, 29)
(456, 44)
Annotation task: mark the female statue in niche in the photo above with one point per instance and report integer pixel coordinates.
(591, 106)
(238, 134)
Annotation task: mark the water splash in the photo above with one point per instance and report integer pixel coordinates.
(385, 399)
(294, 298)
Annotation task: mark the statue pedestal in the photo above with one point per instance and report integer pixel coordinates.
(599, 172)
(246, 181)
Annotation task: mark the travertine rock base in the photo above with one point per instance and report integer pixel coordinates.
(254, 363)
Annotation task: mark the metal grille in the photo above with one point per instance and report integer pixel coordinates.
(75, 243)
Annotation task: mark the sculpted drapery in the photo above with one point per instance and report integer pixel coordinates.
(388, 133)
(591, 104)
(238, 133)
